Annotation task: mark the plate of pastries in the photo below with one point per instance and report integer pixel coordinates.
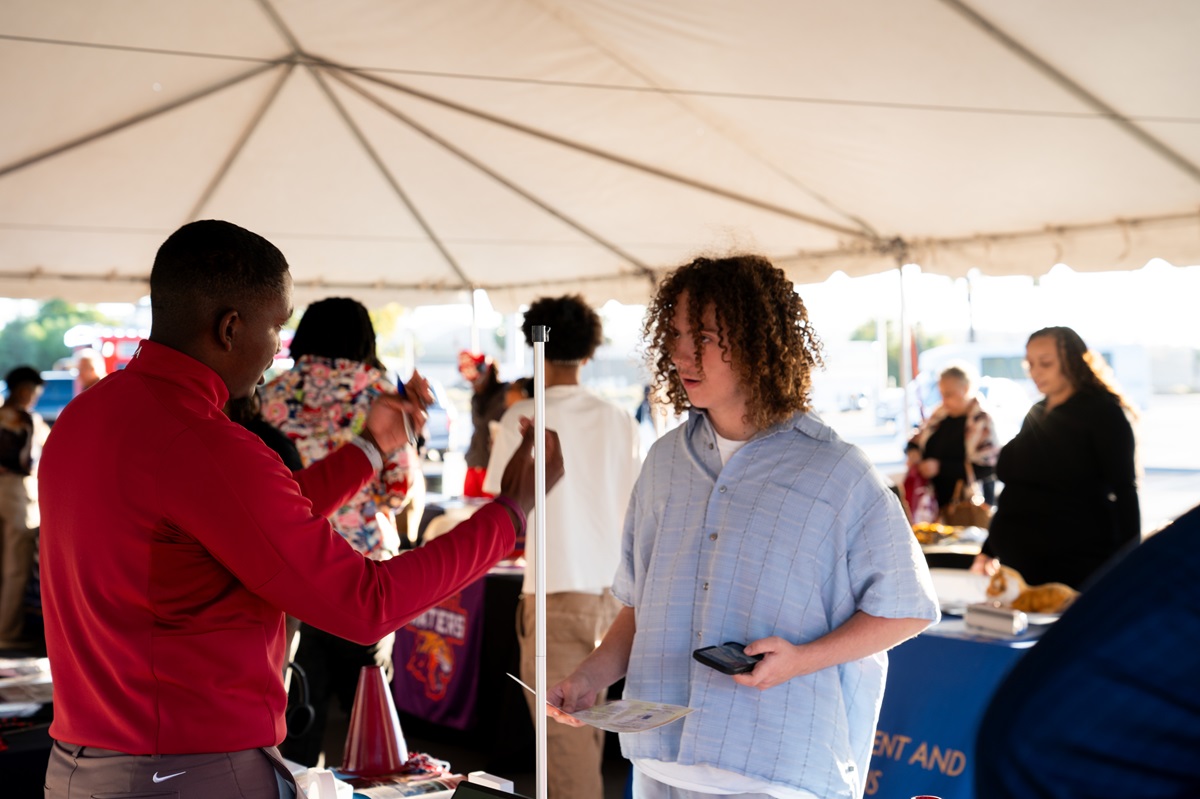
(1041, 603)
(935, 533)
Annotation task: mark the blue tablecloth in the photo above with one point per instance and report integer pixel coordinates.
(938, 686)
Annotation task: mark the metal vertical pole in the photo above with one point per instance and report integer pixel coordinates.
(475, 320)
(540, 336)
(970, 312)
(905, 372)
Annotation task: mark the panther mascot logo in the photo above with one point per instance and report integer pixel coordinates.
(432, 663)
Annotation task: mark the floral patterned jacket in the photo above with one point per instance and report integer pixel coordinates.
(322, 403)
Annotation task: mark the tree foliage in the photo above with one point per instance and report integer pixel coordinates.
(923, 341)
(37, 341)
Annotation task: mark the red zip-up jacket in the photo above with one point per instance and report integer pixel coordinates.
(172, 543)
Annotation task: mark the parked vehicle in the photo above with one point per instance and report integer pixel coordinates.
(1129, 363)
(57, 391)
(439, 424)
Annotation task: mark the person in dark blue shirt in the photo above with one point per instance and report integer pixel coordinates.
(1107, 704)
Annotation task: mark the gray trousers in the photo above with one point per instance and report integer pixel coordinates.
(85, 772)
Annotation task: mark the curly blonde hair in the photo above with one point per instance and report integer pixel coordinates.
(763, 326)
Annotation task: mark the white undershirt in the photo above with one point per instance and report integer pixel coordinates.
(728, 446)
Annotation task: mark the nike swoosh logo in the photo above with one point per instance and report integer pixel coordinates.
(164, 778)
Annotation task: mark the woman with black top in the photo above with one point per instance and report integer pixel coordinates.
(959, 429)
(1070, 481)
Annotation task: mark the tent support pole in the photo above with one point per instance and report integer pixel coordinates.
(905, 372)
(539, 334)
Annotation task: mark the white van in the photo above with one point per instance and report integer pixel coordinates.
(1130, 364)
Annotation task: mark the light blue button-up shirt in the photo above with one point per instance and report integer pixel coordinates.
(791, 537)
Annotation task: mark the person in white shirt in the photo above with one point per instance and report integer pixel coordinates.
(584, 519)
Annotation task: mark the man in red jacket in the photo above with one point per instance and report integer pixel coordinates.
(167, 574)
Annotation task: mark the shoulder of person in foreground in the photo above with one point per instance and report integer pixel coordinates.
(1129, 638)
(818, 444)
(667, 446)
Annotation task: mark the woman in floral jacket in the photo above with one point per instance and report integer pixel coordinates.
(320, 404)
(958, 430)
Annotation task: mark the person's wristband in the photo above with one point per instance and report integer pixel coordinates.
(512, 505)
(370, 450)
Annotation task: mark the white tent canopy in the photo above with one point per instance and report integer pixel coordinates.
(411, 151)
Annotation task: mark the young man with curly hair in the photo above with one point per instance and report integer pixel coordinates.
(602, 455)
(753, 522)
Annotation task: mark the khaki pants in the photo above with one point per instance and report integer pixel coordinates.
(574, 623)
(18, 541)
(85, 772)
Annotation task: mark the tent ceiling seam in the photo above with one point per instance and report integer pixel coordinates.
(309, 236)
(580, 279)
(137, 119)
(723, 128)
(389, 177)
(38, 273)
(607, 156)
(1076, 89)
(613, 87)
(281, 26)
(510, 185)
(364, 143)
(247, 131)
(1124, 225)
(129, 48)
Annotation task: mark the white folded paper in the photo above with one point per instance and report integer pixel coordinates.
(624, 715)
(996, 618)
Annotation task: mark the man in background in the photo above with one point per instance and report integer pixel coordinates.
(21, 435)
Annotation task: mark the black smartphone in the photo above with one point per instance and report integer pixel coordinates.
(728, 658)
